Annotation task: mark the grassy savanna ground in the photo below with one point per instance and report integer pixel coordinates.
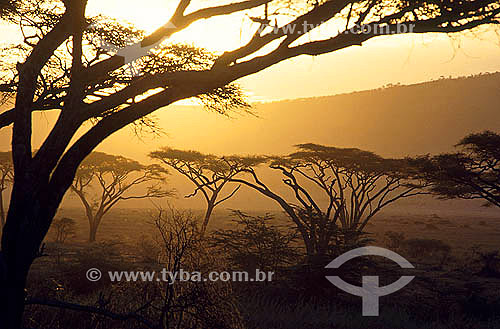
(462, 225)
(451, 292)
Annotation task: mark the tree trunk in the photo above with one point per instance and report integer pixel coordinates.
(27, 223)
(12, 295)
(208, 213)
(92, 231)
(2, 210)
(309, 245)
(94, 221)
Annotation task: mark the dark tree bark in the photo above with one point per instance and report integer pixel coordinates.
(21, 240)
(2, 209)
(94, 225)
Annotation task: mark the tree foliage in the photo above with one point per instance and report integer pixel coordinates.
(471, 173)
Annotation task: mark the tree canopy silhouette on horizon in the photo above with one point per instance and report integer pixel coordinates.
(473, 172)
(209, 174)
(115, 177)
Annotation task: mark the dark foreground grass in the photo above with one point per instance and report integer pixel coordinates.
(264, 312)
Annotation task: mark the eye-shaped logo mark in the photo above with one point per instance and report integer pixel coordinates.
(370, 290)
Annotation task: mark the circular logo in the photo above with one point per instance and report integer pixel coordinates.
(93, 275)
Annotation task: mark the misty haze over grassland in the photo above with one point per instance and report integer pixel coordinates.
(394, 121)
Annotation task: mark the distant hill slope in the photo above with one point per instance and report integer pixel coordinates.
(402, 120)
(421, 118)
(424, 118)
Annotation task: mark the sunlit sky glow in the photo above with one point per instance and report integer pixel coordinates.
(405, 59)
(383, 60)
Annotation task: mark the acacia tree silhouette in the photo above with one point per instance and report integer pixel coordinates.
(471, 173)
(92, 85)
(209, 174)
(336, 192)
(115, 177)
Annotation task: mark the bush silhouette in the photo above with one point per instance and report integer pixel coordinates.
(63, 228)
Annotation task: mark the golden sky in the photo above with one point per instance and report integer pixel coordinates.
(402, 59)
(406, 59)
(383, 60)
